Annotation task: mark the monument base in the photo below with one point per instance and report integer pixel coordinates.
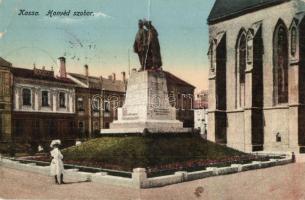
(152, 126)
(147, 108)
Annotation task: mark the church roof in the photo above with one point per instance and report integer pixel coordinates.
(226, 9)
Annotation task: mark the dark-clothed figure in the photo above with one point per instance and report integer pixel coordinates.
(140, 44)
(153, 60)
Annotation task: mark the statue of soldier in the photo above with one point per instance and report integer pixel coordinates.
(140, 44)
(153, 59)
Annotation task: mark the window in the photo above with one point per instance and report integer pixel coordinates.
(26, 97)
(278, 137)
(242, 58)
(241, 63)
(107, 106)
(44, 98)
(280, 64)
(96, 126)
(95, 105)
(62, 100)
(81, 129)
(211, 55)
(81, 124)
(293, 41)
(80, 104)
(107, 125)
(221, 66)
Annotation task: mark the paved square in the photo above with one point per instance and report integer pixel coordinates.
(284, 182)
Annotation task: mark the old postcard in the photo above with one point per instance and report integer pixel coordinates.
(152, 99)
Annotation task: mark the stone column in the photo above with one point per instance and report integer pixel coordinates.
(212, 110)
(20, 101)
(295, 84)
(248, 112)
(16, 99)
(211, 136)
(51, 98)
(55, 101)
(293, 114)
(36, 99)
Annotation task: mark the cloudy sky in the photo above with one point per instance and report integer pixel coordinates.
(103, 40)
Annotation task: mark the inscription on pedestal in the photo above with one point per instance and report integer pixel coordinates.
(161, 112)
(129, 116)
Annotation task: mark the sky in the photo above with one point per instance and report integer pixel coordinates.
(104, 40)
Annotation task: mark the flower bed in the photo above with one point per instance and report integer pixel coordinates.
(158, 154)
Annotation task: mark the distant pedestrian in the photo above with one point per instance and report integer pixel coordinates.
(40, 149)
(293, 157)
(57, 166)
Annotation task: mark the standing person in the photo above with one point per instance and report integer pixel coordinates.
(140, 46)
(57, 166)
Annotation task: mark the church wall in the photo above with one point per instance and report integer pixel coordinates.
(236, 130)
(276, 118)
(276, 122)
(269, 18)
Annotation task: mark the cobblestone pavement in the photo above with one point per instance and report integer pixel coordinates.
(284, 182)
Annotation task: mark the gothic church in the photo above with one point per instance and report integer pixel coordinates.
(257, 74)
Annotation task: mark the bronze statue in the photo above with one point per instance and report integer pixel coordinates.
(154, 60)
(147, 46)
(140, 44)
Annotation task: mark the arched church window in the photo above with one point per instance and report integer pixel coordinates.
(242, 58)
(293, 41)
(280, 62)
(241, 62)
(211, 55)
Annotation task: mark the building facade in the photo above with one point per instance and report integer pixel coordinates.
(201, 121)
(256, 86)
(36, 105)
(5, 101)
(181, 96)
(202, 100)
(97, 100)
(43, 106)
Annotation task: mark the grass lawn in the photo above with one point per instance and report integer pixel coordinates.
(126, 153)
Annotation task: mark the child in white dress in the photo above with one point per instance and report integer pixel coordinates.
(57, 166)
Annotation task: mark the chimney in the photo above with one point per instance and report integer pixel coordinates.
(87, 73)
(113, 76)
(86, 70)
(124, 76)
(62, 67)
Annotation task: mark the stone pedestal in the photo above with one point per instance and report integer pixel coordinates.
(146, 107)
